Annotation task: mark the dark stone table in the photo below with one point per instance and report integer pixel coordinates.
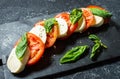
(19, 10)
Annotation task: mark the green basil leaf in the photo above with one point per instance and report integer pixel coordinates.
(75, 15)
(93, 37)
(21, 47)
(73, 54)
(99, 12)
(95, 50)
(49, 23)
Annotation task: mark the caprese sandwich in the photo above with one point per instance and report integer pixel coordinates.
(31, 46)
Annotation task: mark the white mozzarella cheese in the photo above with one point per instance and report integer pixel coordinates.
(99, 21)
(81, 25)
(40, 32)
(62, 27)
(14, 64)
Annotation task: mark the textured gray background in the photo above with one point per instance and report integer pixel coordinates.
(21, 10)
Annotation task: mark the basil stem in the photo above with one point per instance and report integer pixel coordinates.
(21, 47)
(99, 41)
(49, 23)
(73, 54)
(103, 45)
(102, 13)
(75, 15)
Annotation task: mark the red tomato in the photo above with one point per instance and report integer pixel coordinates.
(89, 18)
(106, 20)
(95, 6)
(36, 47)
(17, 42)
(39, 23)
(51, 36)
(71, 27)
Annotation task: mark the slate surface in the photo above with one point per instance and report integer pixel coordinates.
(19, 12)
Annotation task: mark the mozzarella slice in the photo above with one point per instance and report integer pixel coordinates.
(14, 64)
(62, 27)
(40, 32)
(81, 25)
(99, 21)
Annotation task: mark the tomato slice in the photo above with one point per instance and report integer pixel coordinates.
(36, 47)
(71, 27)
(16, 43)
(95, 6)
(106, 20)
(89, 18)
(39, 23)
(51, 36)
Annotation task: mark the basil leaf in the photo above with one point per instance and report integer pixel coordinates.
(94, 37)
(95, 49)
(21, 47)
(99, 12)
(75, 15)
(73, 54)
(49, 23)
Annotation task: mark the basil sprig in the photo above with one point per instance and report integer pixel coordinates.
(95, 49)
(75, 15)
(49, 23)
(21, 47)
(73, 54)
(102, 13)
(97, 46)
